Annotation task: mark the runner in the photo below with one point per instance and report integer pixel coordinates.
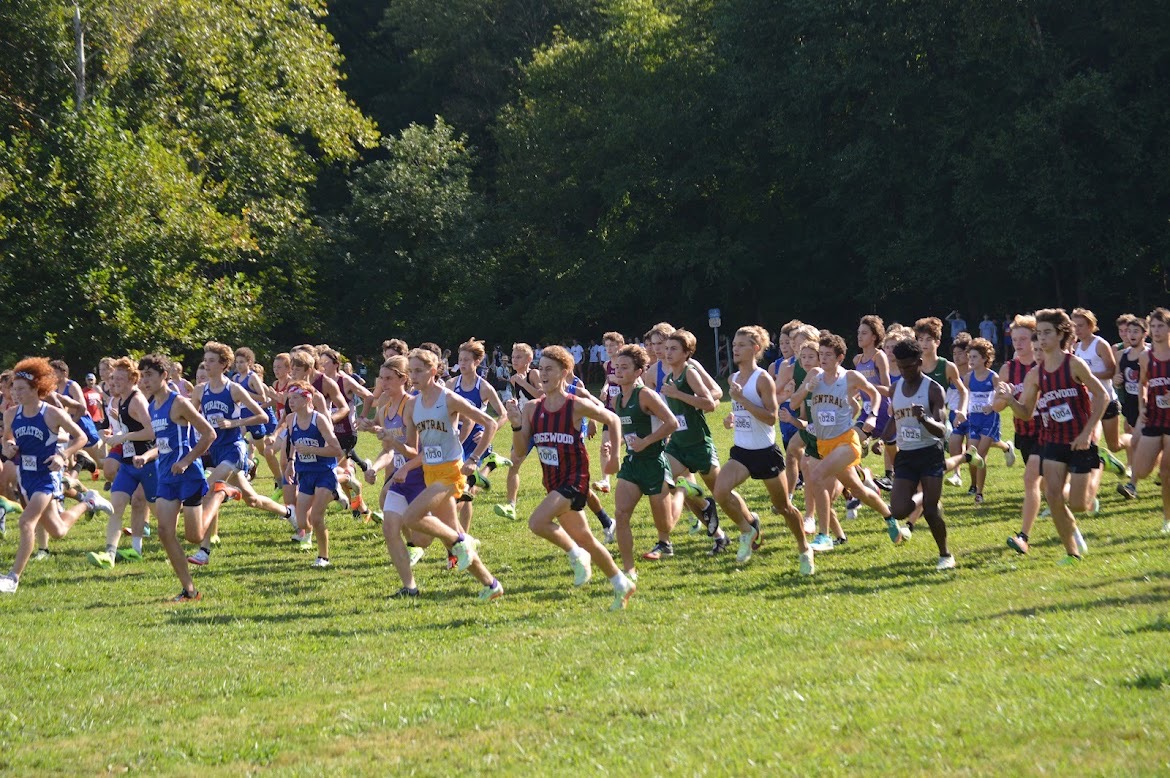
(872, 363)
(928, 334)
(31, 433)
(1071, 402)
(472, 387)
(1012, 376)
(613, 342)
(1154, 409)
(983, 420)
(429, 420)
(644, 469)
(754, 415)
(1102, 360)
(182, 435)
(138, 467)
(316, 450)
(831, 390)
(526, 386)
(552, 424)
(919, 414)
(1127, 382)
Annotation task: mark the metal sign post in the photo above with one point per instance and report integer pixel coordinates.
(714, 321)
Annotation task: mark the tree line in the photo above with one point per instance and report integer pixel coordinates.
(269, 172)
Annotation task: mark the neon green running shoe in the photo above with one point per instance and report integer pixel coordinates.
(691, 488)
(480, 480)
(100, 559)
(496, 460)
(975, 458)
(129, 555)
(506, 509)
(416, 554)
(1111, 463)
(9, 507)
(1069, 561)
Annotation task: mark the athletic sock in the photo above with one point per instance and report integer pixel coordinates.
(136, 544)
(604, 518)
(111, 550)
(1023, 536)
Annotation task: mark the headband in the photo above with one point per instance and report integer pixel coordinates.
(27, 376)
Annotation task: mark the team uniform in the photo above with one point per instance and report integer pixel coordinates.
(647, 469)
(400, 495)
(564, 460)
(1130, 371)
(754, 441)
(313, 471)
(229, 445)
(174, 441)
(1064, 411)
(129, 477)
(37, 444)
(475, 398)
(868, 368)
(691, 444)
(788, 430)
(1157, 398)
(442, 452)
(832, 417)
(979, 424)
(1027, 438)
(1097, 365)
(921, 454)
(84, 421)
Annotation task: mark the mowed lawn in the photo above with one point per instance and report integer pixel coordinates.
(879, 663)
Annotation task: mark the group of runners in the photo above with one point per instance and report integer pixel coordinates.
(804, 422)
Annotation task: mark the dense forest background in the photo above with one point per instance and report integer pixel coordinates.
(269, 172)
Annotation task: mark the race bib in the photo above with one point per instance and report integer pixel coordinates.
(978, 400)
(399, 461)
(1162, 401)
(128, 449)
(164, 446)
(827, 418)
(629, 439)
(909, 434)
(1061, 413)
(866, 407)
(215, 418)
(1131, 387)
(28, 462)
(682, 421)
(306, 458)
(743, 421)
(432, 455)
(614, 390)
(549, 456)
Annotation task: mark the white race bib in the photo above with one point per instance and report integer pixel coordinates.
(1061, 413)
(866, 407)
(1162, 401)
(629, 439)
(164, 446)
(978, 400)
(909, 434)
(614, 390)
(743, 421)
(549, 456)
(432, 455)
(28, 462)
(1131, 387)
(128, 449)
(306, 458)
(827, 418)
(399, 462)
(682, 421)
(215, 418)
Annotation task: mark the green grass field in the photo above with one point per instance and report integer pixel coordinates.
(878, 664)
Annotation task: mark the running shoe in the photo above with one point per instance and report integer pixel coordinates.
(821, 543)
(1018, 544)
(405, 593)
(8, 584)
(711, 517)
(1070, 561)
(722, 542)
(611, 531)
(696, 526)
(897, 534)
(1128, 490)
(452, 561)
(200, 558)
(1009, 456)
(506, 509)
(582, 567)
(662, 550)
(129, 555)
(363, 464)
(416, 554)
(86, 463)
(493, 592)
(978, 498)
(841, 541)
(946, 562)
(1045, 512)
(885, 483)
(301, 536)
(41, 555)
(623, 590)
(865, 448)
(810, 525)
(1082, 546)
(807, 567)
(496, 460)
(97, 503)
(101, 559)
(465, 552)
(758, 537)
(971, 490)
(745, 545)
(601, 486)
(1112, 464)
(480, 480)
(852, 504)
(850, 514)
(188, 596)
(229, 492)
(321, 562)
(954, 479)
(976, 458)
(1096, 505)
(9, 507)
(3, 524)
(377, 517)
(688, 486)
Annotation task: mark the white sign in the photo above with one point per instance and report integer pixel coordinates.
(714, 323)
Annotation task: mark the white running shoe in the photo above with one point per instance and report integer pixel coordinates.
(745, 545)
(946, 563)
(97, 503)
(582, 566)
(806, 563)
(602, 485)
(465, 552)
(8, 584)
(200, 558)
(954, 479)
(321, 562)
(611, 531)
(850, 514)
(810, 525)
(623, 590)
(1082, 546)
(1009, 456)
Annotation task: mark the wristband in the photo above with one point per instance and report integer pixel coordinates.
(517, 429)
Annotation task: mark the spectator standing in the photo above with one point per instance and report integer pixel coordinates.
(958, 323)
(989, 330)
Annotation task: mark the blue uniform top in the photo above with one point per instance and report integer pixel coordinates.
(572, 389)
(473, 396)
(787, 430)
(659, 378)
(220, 405)
(311, 436)
(174, 442)
(37, 443)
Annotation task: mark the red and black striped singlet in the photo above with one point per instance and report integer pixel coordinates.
(1157, 392)
(1017, 372)
(564, 461)
(1064, 404)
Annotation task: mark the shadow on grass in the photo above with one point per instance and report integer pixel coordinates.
(1159, 595)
